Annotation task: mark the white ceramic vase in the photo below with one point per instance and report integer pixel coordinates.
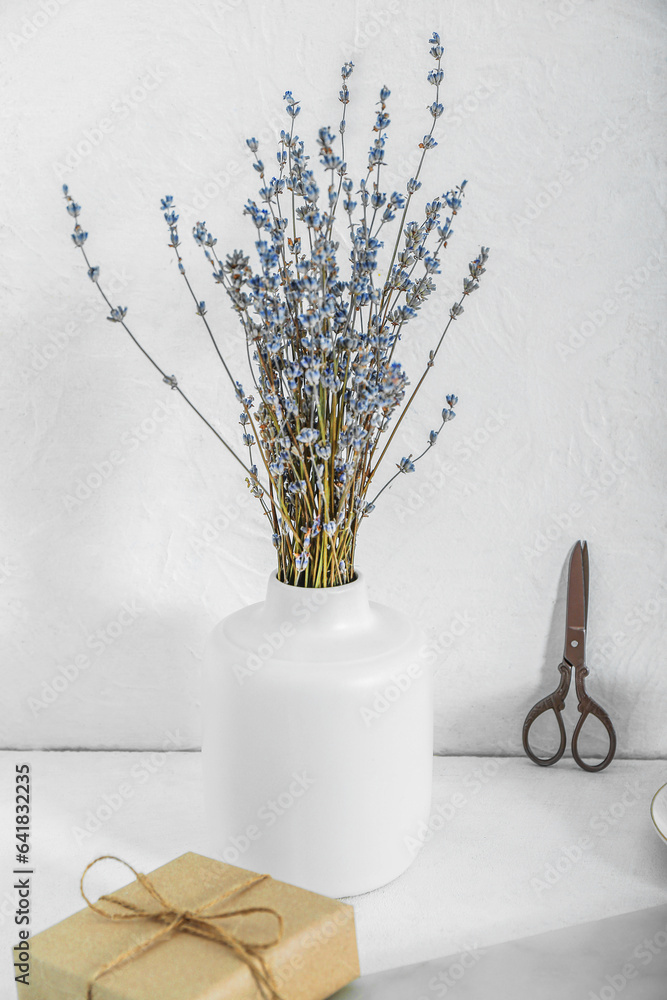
(318, 738)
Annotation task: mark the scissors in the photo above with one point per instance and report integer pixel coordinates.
(574, 656)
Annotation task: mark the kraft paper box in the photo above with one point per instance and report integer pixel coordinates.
(316, 955)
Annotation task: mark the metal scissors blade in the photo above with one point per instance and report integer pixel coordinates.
(577, 606)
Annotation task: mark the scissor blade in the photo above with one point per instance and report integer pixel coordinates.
(577, 585)
(585, 567)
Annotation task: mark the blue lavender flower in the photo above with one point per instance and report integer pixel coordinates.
(198, 232)
(456, 310)
(117, 314)
(93, 273)
(292, 107)
(436, 109)
(453, 201)
(452, 400)
(342, 469)
(477, 266)
(325, 137)
(358, 435)
(406, 465)
(252, 144)
(432, 438)
(167, 202)
(328, 378)
(437, 50)
(375, 156)
(73, 208)
(201, 309)
(308, 435)
(301, 561)
(311, 374)
(447, 415)
(445, 232)
(331, 162)
(346, 71)
(382, 121)
(436, 76)
(79, 237)
(248, 440)
(403, 314)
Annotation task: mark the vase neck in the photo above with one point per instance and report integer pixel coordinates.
(317, 609)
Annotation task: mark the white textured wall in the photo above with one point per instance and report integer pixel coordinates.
(554, 116)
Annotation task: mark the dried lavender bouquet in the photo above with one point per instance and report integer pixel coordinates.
(321, 343)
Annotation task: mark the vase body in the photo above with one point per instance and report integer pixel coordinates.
(318, 738)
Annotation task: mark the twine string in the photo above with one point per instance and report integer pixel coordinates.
(198, 922)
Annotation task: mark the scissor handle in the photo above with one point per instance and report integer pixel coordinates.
(554, 702)
(588, 707)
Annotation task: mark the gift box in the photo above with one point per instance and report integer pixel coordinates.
(197, 929)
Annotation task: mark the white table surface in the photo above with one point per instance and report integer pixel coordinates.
(519, 850)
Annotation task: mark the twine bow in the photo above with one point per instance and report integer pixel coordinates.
(195, 922)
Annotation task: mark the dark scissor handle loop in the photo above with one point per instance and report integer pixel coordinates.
(554, 702)
(589, 707)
